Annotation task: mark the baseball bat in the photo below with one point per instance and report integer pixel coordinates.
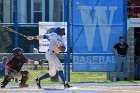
(13, 31)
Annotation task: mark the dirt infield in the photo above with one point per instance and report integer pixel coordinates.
(74, 89)
(114, 89)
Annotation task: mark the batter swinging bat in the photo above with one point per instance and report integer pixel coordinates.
(13, 31)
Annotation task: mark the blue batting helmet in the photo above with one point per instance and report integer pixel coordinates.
(58, 30)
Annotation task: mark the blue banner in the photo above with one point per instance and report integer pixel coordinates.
(97, 25)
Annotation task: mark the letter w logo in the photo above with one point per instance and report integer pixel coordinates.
(100, 17)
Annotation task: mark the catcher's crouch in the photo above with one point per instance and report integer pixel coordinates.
(13, 69)
(56, 45)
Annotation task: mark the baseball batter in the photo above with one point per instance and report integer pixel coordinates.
(56, 45)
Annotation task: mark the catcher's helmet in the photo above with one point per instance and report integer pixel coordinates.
(17, 52)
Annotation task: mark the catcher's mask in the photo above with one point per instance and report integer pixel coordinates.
(17, 52)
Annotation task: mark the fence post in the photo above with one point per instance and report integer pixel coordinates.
(16, 25)
(68, 37)
(65, 54)
(16, 21)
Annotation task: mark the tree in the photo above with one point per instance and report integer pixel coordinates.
(5, 40)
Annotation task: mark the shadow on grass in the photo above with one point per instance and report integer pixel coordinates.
(93, 82)
(53, 89)
(110, 82)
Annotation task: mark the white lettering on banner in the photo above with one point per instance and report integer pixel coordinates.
(100, 17)
(101, 59)
(89, 59)
(94, 59)
(82, 59)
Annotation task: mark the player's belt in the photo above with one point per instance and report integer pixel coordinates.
(51, 51)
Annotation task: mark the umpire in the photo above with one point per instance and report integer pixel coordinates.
(121, 55)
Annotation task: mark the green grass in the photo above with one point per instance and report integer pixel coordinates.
(82, 77)
(76, 77)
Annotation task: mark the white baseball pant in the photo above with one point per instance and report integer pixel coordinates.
(54, 63)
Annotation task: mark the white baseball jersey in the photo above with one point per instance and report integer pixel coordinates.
(55, 42)
(54, 63)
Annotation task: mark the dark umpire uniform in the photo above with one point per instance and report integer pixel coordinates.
(13, 69)
(121, 55)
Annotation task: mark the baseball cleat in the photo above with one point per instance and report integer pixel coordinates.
(2, 86)
(67, 85)
(23, 85)
(38, 83)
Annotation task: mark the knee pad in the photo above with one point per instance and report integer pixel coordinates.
(52, 72)
(25, 73)
(10, 75)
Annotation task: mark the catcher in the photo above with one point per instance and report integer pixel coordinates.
(13, 68)
(56, 45)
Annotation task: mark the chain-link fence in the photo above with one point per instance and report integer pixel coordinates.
(25, 17)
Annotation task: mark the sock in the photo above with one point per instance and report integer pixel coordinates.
(62, 76)
(44, 76)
